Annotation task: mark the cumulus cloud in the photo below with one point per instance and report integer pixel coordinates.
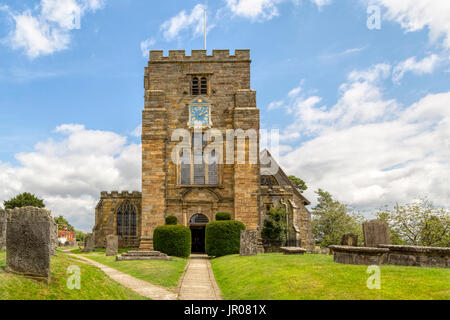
(262, 10)
(194, 22)
(48, 30)
(368, 150)
(414, 15)
(70, 173)
(425, 66)
(146, 45)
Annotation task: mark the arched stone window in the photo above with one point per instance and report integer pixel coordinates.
(195, 86)
(204, 86)
(126, 220)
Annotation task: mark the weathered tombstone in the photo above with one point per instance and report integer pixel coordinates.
(376, 232)
(89, 243)
(2, 230)
(28, 242)
(112, 245)
(54, 237)
(350, 240)
(249, 243)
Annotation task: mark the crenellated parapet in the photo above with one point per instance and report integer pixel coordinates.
(157, 56)
(123, 194)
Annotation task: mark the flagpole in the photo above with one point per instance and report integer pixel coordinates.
(205, 28)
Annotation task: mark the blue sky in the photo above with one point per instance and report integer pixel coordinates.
(362, 113)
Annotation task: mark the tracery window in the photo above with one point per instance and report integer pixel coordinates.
(126, 220)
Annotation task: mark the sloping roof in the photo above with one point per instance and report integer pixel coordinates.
(280, 174)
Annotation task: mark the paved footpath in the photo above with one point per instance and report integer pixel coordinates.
(198, 282)
(139, 286)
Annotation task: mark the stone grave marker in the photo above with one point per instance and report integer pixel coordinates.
(350, 240)
(89, 243)
(249, 243)
(2, 230)
(112, 245)
(376, 232)
(28, 242)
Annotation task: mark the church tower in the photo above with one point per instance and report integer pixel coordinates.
(197, 95)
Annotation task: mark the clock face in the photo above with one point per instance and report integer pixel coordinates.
(199, 115)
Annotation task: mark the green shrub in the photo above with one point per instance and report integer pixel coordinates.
(171, 221)
(275, 225)
(223, 216)
(173, 240)
(223, 237)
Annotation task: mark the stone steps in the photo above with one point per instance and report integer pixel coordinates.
(143, 255)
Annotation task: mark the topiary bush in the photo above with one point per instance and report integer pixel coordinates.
(223, 216)
(171, 221)
(223, 237)
(173, 240)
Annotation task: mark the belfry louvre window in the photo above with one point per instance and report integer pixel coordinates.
(199, 86)
(195, 86)
(193, 168)
(126, 220)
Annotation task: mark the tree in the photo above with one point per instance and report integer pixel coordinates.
(275, 227)
(298, 183)
(80, 235)
(331, 220)
(24, 200)
(419, 223)
(61, 222)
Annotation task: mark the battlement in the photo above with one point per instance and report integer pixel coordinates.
(199, 55)
(123, 194)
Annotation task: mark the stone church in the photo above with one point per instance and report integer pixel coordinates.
(198, 93)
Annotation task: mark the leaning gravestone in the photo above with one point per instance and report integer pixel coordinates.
(112, 245)
(350, 240)
(249, 243)
(376, 232)
(89, 244)
(2, 230)
(28, 242)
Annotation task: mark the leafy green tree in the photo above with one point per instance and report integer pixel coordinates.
(331, 220)
(275, 227)
(298, 183)
(80, 235)
(61, 222)
(24, 200)
(419, 223)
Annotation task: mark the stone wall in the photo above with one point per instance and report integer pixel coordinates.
(3, 222)
(106, 217)
(28, 242)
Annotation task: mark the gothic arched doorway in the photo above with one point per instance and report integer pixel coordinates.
(198, 224)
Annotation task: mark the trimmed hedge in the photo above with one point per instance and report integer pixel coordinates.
(223, 237)
(171, 221)
(223, 216)
(173, 240)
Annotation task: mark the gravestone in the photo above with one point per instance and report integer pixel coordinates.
(2, 230)
(376, 232)
(28, 242)
(249, 243)
(112, 245)
(89, 243)
(350, 240)
(54, 237)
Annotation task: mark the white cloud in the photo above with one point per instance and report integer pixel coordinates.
(414, 15)
(262, 10)
(70, 174)
(366, 149)
(182, 21)
(146, 45)
(48, 31)
(424, 66)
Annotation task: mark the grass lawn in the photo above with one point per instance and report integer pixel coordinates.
(317, 277)
(159, 272)
(95, 285)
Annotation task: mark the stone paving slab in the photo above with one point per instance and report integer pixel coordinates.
(198, 282)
